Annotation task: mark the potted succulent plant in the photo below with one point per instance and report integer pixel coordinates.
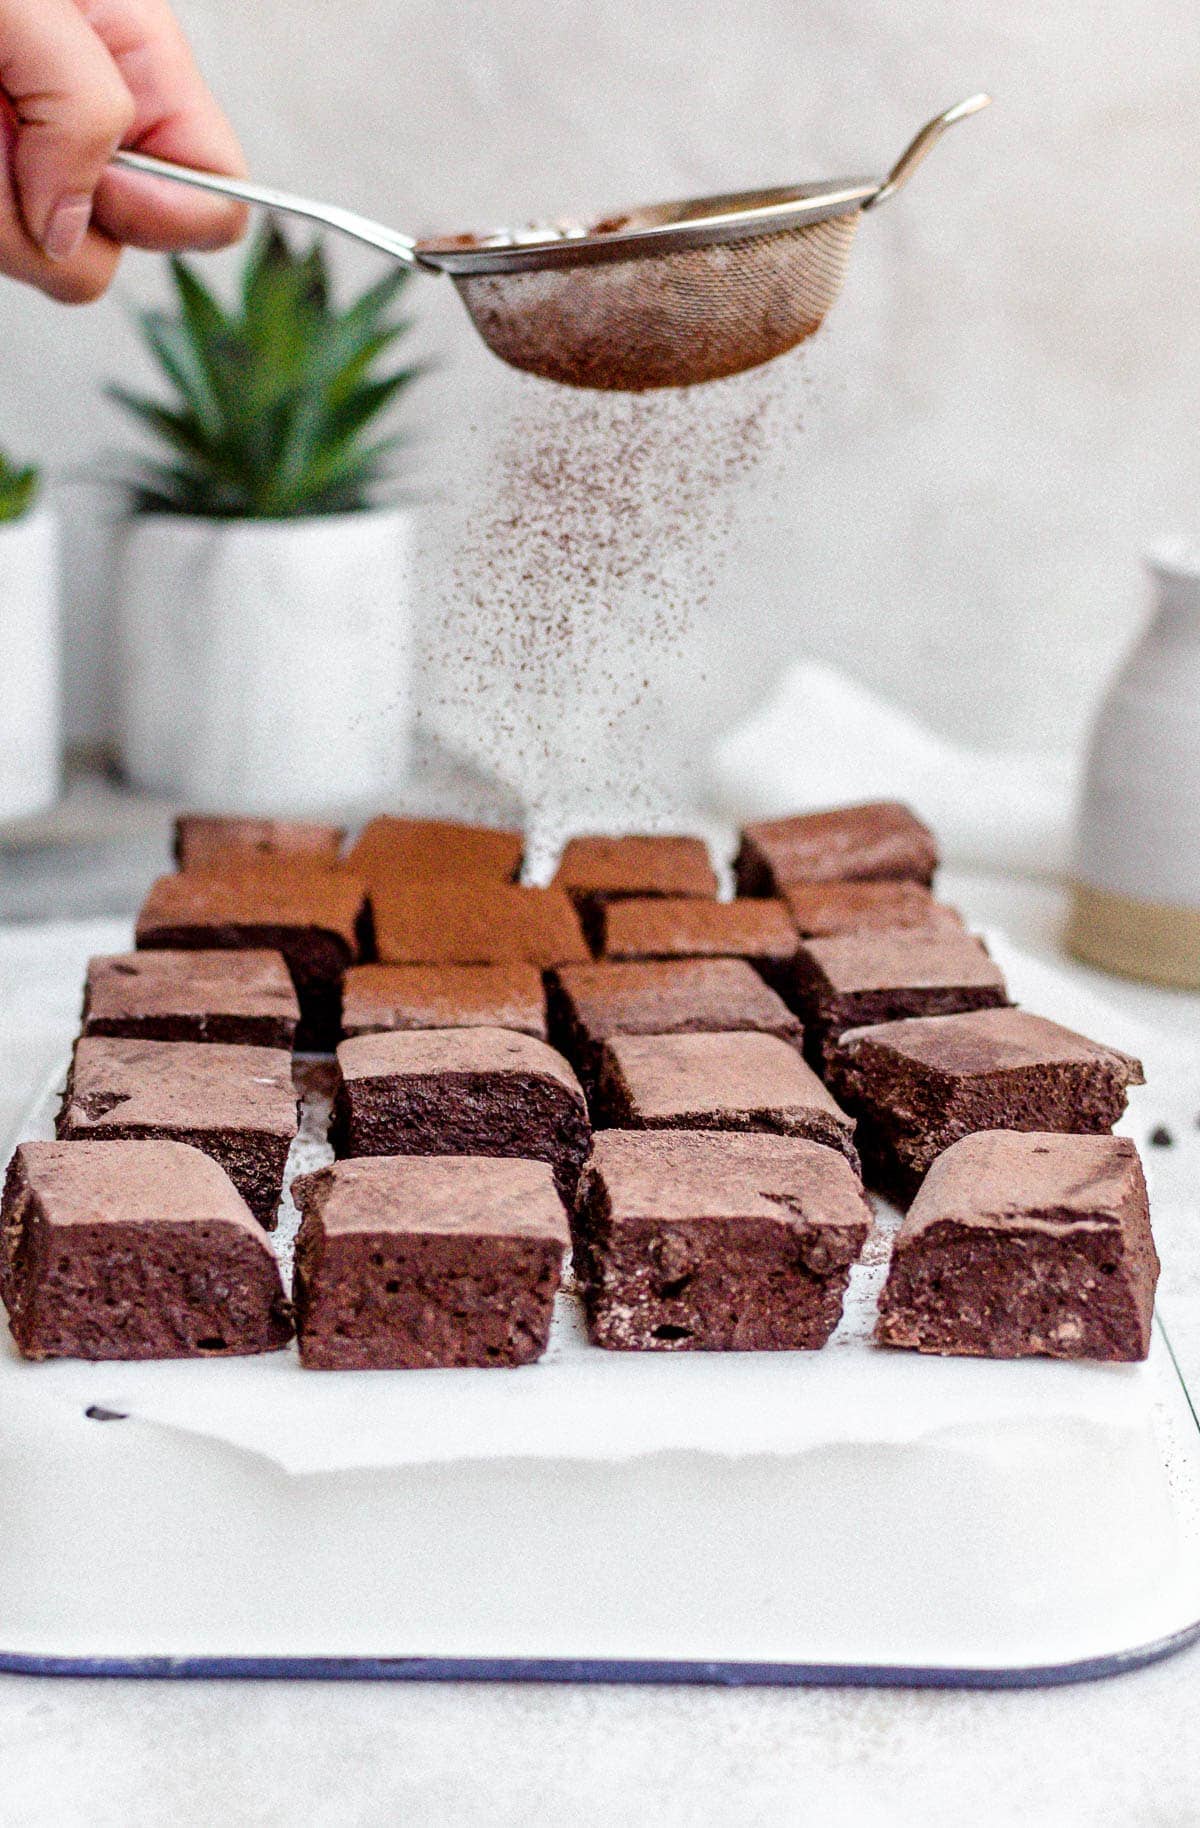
(263, 580)
(29, 639)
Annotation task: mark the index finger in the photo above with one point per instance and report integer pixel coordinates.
(176, 117)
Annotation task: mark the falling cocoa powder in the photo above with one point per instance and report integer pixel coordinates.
(572, 639)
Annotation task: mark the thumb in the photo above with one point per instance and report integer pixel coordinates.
(72, 109)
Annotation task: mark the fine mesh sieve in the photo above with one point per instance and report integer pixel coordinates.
(665, 296)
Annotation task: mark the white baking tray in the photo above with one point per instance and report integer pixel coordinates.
(852, 1515)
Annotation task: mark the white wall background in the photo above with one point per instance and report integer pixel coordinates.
(1008, 397)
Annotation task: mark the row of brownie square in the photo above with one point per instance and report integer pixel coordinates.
(877, 841)
(1017, 1244)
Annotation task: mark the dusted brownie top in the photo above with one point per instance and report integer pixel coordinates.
(428, 1051)
(665, 1076)
(164, 983)
(434, 1193)
(390, 851)
(283, 894)
(201, 840)
(381, 997)
(653, 864)
(985, 1041)
(820, 908)
(675, 927)
(1029, 1180)
(659, 996)
(476, 922)
(879, 839)
(131, 1183)
(180, 1084)
(715, 1174)
(899, 959)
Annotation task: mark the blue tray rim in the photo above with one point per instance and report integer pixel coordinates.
(598, 1670)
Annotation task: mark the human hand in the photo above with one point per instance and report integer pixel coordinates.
(78, 79)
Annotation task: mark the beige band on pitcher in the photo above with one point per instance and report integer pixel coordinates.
(1140, 939)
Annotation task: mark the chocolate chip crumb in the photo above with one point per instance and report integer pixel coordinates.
(1161, 1138)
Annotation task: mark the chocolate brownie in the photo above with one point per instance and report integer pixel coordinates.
(674, 927)
(590, 1003)
(718, 1082)
(391, 852)
(820, 909)
(376, 998)
(881, 841)
(318, 918)
(245, 997)
(202, 841)
(686, 1241)
(919, 1085)
(596, 870)
(134, 1250)
(1024, 1244)
(237, 1104)
(461, 1091)
(406, 1263)
(475, 922)
(854, 980)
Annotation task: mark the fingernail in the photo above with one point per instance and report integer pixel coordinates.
(67, 227)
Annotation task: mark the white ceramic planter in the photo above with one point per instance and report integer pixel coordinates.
(29, 664)
(1137, 896)
(266, 664)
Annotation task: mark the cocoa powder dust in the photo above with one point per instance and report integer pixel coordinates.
(571, 646)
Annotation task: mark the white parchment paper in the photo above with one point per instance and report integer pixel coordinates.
(582, 1403)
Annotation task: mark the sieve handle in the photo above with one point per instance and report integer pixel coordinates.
(920, 147)
(389, 241)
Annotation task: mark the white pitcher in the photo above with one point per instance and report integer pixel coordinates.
(1137, 878)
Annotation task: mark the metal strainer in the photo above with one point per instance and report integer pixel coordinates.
(664, 296)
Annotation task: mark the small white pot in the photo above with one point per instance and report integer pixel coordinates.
(266, 664)
(1137, 892)
(30, 734)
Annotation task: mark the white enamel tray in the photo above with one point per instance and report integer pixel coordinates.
(851, 1516)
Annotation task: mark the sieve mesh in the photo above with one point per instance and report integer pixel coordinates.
(665, 320)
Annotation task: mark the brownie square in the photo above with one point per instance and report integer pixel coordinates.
(237, 1104)
(391, 852)
(402, 1264)
(677, 927)
(476, 922)
(880, 841)
(134, 1250)
(202, 841)
(819, 909)
(377, 998)
(318, 918)
(855, 980)
(461, 1091)
(597, 870)
(1025, 1244)
(241, 997)
(718, 1082)
(919, 1085)
(708, 1242)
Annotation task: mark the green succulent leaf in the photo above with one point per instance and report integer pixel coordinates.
(273, 398)
(19, 486)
